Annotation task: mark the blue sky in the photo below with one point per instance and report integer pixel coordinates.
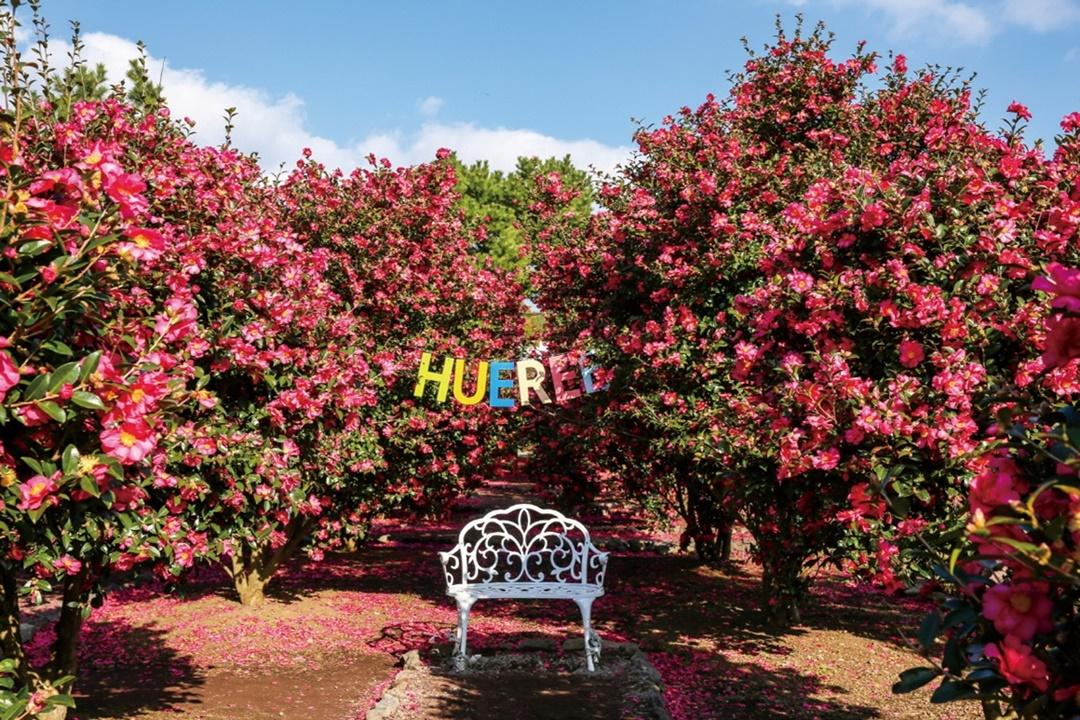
(494, 80)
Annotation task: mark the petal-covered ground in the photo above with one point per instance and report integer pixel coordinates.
(325, 643)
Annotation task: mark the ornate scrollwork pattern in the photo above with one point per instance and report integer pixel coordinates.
(524, 544)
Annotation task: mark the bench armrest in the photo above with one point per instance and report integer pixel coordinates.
(451, 565)
(598, 560)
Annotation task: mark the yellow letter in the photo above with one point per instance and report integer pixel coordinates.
(531, 376)
(481, 382)
(442, 377)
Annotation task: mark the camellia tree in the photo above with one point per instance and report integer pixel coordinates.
(800, 293)
(1009, 591)
(319, 301)
(96, 356)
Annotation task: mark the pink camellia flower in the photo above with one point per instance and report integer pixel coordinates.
(37, 701)
(32, 415)
(1019, 610)
(48, 274)
(129, 442)
(873, 216)
(143, 244)
(9, 374)
(1062, 340)
(68, 564)
(1020, 110)
(1071, 122)
(1017, 664)
(993, 488)
(800, 282)
(184, 554)
(36, 491)
(1064, 283)
(128, 497)
(177, 321)
(126, 189)
(911, 353)
(826, 459)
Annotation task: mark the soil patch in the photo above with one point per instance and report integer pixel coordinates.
(341, 690)
(529, 686)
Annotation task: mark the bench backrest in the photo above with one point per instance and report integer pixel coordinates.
(524, 544)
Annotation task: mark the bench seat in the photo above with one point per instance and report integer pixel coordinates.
(524, 591)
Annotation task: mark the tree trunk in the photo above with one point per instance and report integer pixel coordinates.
(253, 568)
(782, 587)
(10, 639)
(725, 545)
(991, 710)
(250, 584)
(65, 650)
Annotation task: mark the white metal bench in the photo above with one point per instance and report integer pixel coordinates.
(525, 552)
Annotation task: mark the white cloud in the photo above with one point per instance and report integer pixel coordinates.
(944, 19)
(974, 22)
(276, 127)
(430, 106)
(500, 146)
(1041, 15)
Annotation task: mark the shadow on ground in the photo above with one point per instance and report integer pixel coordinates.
(129, 670)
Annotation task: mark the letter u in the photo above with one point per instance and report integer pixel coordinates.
(459, 381)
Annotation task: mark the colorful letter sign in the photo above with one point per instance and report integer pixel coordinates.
(497, 380)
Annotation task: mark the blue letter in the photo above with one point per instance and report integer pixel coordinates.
(497, 382)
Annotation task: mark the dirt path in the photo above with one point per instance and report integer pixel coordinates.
(324, 646)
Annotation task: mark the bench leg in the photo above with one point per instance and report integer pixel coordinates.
(463, 607)
(592, 640)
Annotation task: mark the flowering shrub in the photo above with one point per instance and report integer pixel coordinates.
(320, 294)
(94, 360)
(801, 291)
(1010, 613)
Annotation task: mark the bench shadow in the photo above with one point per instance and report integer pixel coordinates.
(703, 686)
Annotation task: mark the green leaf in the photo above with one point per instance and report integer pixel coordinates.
(34, 247)
(65, 700)
(52, 410)
(37, 387)
(914, 678)
(37, 513)
(953, 657)
(929, 629)
(963, 614)
(16, 709)
(1074, 435)
(60, 348)
(89, 484)
(70, 459)
(953, 557)
(89, 365)
(86, 399)
(34, 465)
(63, 375)
(951, 690)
